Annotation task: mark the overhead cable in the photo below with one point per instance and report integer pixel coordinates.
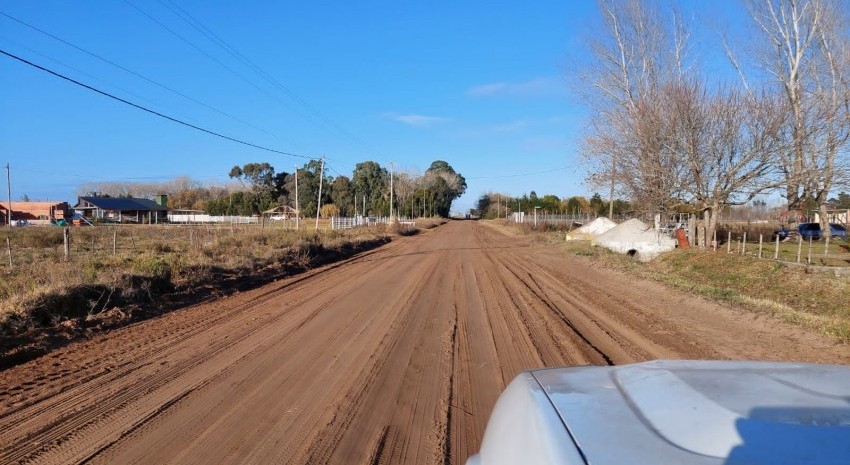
(186, 17)
(148, 110)
(134, 73)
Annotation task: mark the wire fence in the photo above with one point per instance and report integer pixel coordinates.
(342, 222)
(203, 218)
(756, 237)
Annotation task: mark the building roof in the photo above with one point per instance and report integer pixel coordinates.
(281, 209)
(21, 205)
(121, 204)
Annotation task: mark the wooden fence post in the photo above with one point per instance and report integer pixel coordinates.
(761, 237)
(799, 247)
(729, 242)
(66, 241)
(692, 230)
(776, 252)
(9, 250)
(744, 244)
(809, 259)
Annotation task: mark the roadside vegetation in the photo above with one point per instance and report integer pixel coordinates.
(798, 295)
(671, 136)
(257, 187)
(152, 269)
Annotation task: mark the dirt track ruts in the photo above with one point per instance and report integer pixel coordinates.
(395, 356)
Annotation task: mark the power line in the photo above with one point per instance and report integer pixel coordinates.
(134, 73)
(148, 110)
(199, 49)
(186, 17)
(72, 68)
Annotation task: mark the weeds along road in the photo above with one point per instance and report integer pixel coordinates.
(395, 356)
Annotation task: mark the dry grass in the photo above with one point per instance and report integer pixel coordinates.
(798, 295)
(42, 289)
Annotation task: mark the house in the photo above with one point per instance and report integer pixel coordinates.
(123, 209)
(35, 212)
(834, 216)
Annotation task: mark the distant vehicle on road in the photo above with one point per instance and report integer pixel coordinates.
(812, 230)
(673, 412)
(20, 223)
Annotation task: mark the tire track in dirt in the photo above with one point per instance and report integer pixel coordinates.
(393, 357)
(79, 414)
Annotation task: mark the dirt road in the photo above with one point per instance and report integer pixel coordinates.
(395, 356)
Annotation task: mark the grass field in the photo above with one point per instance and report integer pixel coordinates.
(801, 295)
(115, 267)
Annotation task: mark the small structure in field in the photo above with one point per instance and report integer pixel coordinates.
(281, 213)
(35, 212)
(589, 231)
(633, 237)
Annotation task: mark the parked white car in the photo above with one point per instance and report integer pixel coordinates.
(673, 412)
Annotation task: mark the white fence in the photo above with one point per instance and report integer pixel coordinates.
(521, 217)
(338, 222)
(204, 218)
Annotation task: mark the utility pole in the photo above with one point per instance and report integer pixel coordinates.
(391, 191)
(611, 197)
(297, 207)
(319, 202)
(9, 188)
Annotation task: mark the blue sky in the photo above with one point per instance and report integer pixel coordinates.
(479, 84)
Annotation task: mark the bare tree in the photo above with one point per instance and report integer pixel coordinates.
(827, 163)
(729, 141)
(638, 53)
(405, 188)
(805, 51)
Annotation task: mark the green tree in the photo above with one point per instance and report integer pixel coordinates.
(308, 188)
(550, 204)
(259, 179)
(371, 180)
(445, 184)
(342, 196)
(597, 205)
(482, 208)
(843, 200)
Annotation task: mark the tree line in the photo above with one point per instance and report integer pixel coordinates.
(258, 187)
(495, 205)
(668, 136)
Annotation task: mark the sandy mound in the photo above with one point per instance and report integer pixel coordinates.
(635, 237)
(590, 230)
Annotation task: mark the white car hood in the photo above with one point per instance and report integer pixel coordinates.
(690, 412)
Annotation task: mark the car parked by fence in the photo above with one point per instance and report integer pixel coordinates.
(812, 230)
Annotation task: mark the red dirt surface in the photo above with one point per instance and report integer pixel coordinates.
(394, 356)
